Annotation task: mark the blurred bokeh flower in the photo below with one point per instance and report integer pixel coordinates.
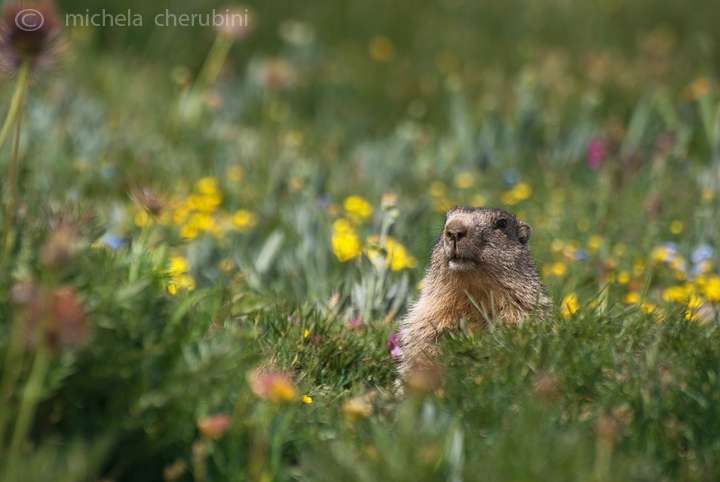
(55, 318)
(519, 193)
(711, 290)
(356, 408)
(235, 23)
(275, 386)
(345, 240)
(357, 209)
(274, 75)
(214, 426)
(381, 48)
(179, 275)
(595, 153)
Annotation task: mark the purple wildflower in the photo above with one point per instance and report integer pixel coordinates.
(355, 324)
(392, 341)
(595, 153)
(396, 354)
(394, 348)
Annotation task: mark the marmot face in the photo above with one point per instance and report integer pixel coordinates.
(483, 239)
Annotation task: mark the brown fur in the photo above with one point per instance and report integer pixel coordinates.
(477, 260)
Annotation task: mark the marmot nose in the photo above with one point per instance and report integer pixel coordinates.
(455, 230)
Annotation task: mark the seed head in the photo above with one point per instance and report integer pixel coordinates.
(151, 201)
(30, 32)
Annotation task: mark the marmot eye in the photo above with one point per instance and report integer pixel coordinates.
(501, 223)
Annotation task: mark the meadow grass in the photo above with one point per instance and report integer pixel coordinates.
(205, 254)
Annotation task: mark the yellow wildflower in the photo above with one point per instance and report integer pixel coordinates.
(478, 201)
(594, 243)
(178, 273)
(397, 256)
(235, 173)
(306, 399)
(698, 88)
(464, 180)
(558, 269)
(345, 240)
(569, 305)
(357, 208)
(638, 268)
(189, 232)
(623, 277)
(243, 220)
(519, 193)
(381, 48)
(676, 293)
(226, 265)
(181, 212)
(437, 188)
(631, 298)
(663, 254)
(676, 227)
(647, 307)
(694, 301)
(207, 185)
(178, 265)
(711, 290)
(619, 250)
(141, 218)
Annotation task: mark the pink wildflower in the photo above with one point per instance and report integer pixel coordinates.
(595, 153)
(214, 426)
(394, 348)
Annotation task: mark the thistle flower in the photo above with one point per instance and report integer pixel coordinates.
(30, 32)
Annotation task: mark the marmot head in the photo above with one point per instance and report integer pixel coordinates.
(483, 239)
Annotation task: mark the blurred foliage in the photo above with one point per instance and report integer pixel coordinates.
(214, 237)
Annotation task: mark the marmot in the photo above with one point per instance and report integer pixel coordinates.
(481, 261)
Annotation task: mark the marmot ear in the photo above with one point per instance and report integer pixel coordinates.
(523, 232)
